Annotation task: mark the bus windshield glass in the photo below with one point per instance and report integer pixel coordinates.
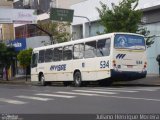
(125, 41)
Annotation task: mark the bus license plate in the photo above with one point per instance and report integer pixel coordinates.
(129, 66)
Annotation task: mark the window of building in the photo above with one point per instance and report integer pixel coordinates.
(41, 56)
(78, 51)
(48, 55)
(68, 52)
(103, 47)
(57, 54)
(90, 49)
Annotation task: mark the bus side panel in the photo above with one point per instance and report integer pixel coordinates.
(96, 69)
(48, 73)
(92, 69)
(103, 74)
(59, 71)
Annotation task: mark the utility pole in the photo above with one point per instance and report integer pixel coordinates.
(88, 21)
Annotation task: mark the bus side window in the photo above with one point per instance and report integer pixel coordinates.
(41, 56)
(48, 55)
(57, 54)
(103, 47)
(78, 51)
(90, 49)
(68, 52)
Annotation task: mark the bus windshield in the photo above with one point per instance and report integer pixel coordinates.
(125, 41)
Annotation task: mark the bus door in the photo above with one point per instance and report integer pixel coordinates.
(34, 63)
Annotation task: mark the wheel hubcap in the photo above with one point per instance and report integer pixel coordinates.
(42, 80)
(77, 79)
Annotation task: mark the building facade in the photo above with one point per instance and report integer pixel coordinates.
(152, 22)
(6, 30)
(6, 4)
(26, 36)
(43, 9)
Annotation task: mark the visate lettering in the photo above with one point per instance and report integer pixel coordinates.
(58, 67)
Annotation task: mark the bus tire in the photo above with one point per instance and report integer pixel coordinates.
(42, 80)
(77, 79)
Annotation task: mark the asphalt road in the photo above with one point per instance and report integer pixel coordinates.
(83, 100)
(133, 97)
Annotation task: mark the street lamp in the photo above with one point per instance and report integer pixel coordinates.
(88, 21)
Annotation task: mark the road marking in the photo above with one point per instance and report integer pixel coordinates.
(11, 101)
(115, 90)
(34, 98)
(119, 97)
(54, 95)
(138, 89)
(90, 91)
(72, 93)
(146, 89)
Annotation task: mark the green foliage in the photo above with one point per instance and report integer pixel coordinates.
(24, 57)
(149, 38)
(7, 54)
(57, 30)
(2, 47)
(123, 18)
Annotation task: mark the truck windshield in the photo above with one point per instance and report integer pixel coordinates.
(125, 41)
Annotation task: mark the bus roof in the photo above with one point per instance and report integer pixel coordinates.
(82, 40)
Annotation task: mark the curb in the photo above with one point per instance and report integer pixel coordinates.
(14, 81)
(150, 80)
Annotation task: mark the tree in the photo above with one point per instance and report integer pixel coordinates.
(24, 58)
(123, 18)
(56, 30)
(7, 55)
(149, 38)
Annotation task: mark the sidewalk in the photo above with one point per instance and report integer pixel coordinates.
(18, 81)
(150, 80)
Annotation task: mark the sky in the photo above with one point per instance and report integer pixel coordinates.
(142, 3)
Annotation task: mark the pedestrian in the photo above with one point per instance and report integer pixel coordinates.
(158, 60)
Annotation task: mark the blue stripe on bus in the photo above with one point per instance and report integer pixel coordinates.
(120, 56)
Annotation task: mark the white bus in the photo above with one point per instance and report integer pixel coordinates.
(99, 58)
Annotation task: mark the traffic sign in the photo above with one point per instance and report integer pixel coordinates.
(59, 14)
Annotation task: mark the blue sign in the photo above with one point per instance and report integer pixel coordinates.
(18, 44)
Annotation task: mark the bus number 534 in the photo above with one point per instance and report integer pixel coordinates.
(104, 64)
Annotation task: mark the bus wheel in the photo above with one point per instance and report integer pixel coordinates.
(42, 80)
(77, 79)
